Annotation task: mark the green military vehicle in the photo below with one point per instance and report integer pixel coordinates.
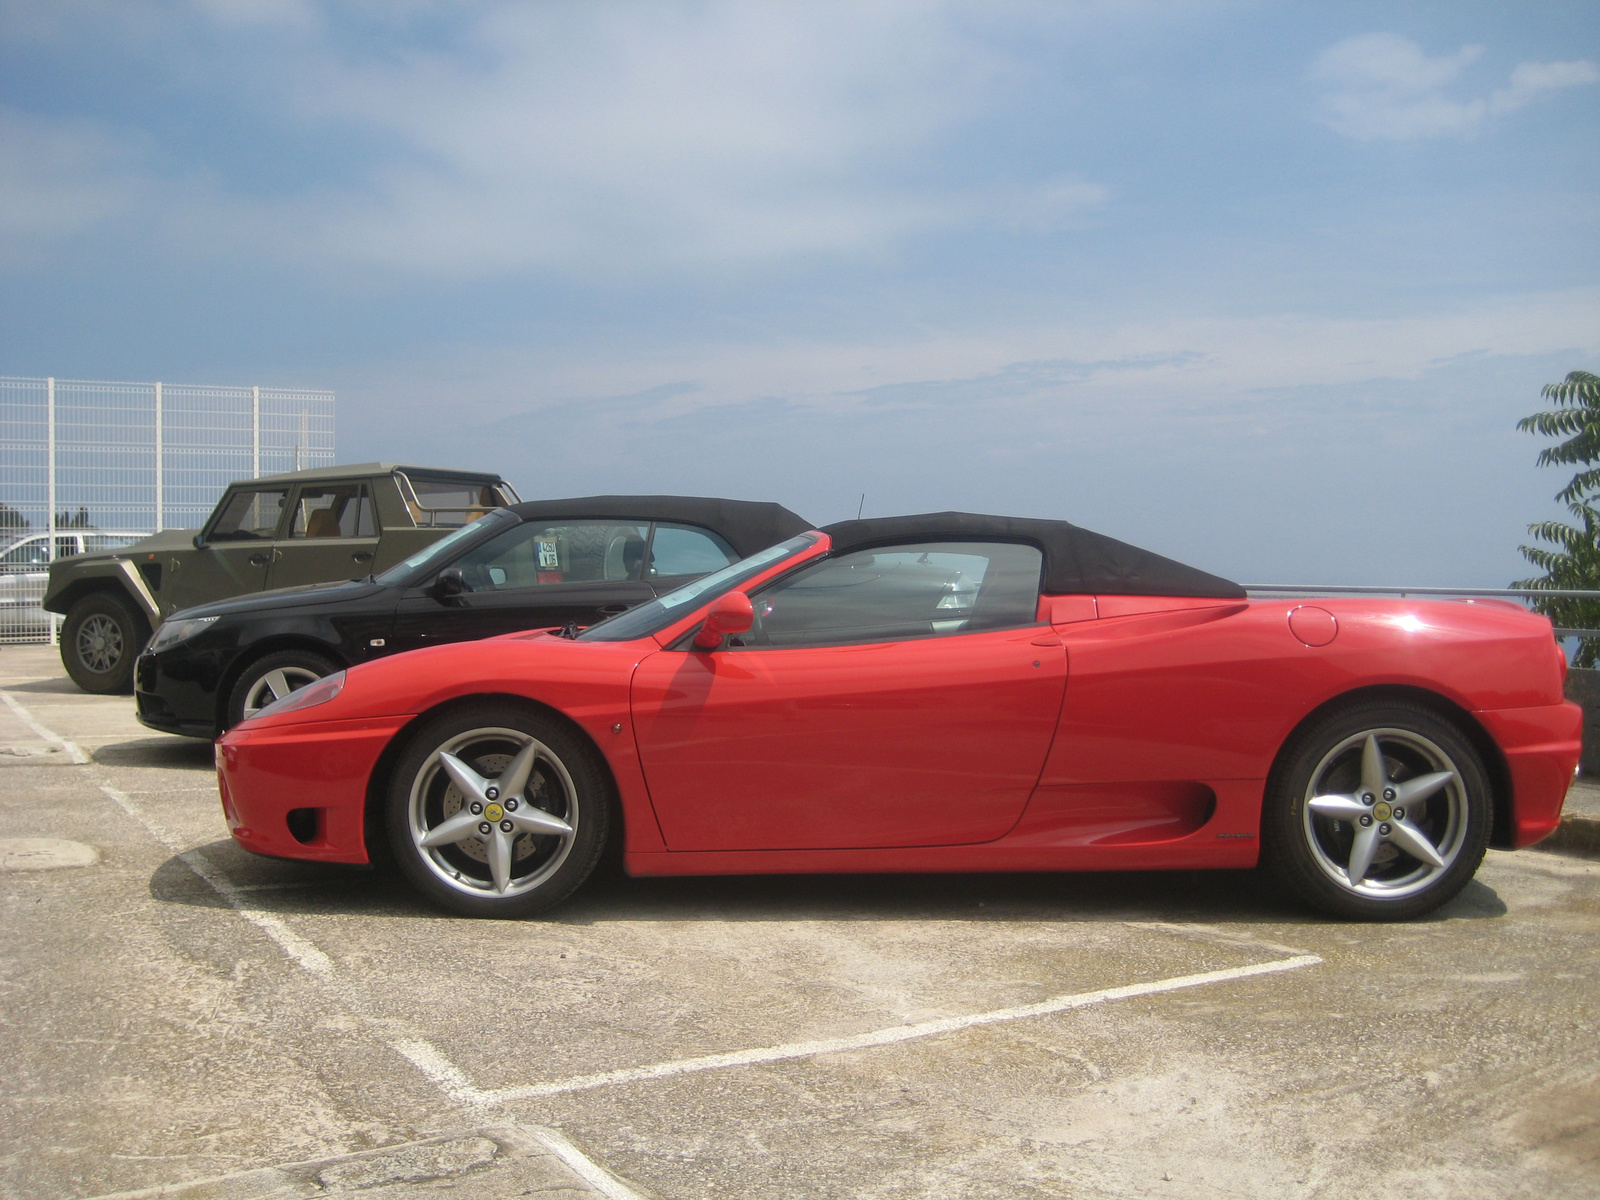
(290, 530)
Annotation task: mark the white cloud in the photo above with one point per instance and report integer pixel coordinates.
(59, 176)
(627, 138)
(632, 137)
(1530, 81)
(1383, 86)
(292, 13)
(1083, 373)
(1050, 207)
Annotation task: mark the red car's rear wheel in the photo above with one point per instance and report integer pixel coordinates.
(1380, 812)
(495, 811)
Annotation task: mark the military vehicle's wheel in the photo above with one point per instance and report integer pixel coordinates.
(100, 641)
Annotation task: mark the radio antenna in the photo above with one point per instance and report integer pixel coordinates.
(861, 506)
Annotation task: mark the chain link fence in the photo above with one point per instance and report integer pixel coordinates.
(87, 465)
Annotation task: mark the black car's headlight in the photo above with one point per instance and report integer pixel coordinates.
(173, 632)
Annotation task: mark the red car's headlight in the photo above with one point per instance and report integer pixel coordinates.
(310, 696)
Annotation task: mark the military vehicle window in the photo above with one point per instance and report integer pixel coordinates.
(686, 550)
(900, 593)
(338, 510)
(250, 516)
(26, 554)
(436, 502)
(573, 552)
(109, 541)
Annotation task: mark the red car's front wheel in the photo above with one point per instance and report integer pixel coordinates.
(495, 811)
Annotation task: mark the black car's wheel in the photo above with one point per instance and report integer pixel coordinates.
(272, 677)
(100, 641)
(495, 811)
(1379, 812)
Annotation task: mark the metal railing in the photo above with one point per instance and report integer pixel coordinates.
(1343, 589)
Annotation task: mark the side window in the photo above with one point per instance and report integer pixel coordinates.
(687, 550)
(531, 554)
(26, 554)
(250, 516)
(107, 541)
(900, 593)
(337, 510)
(450, 502)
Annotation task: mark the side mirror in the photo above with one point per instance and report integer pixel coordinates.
(199, 541)
(449, 583)
(732, 613)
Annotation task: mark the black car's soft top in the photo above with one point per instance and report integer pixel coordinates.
(748, 525)
(1076, 561)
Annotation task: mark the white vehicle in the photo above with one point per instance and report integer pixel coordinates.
(25, 568)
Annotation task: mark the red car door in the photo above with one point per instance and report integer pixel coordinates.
(934, 738)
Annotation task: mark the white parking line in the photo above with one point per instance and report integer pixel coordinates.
(450, 1078)
(582, 1165)
(300, 950)
(291, 943)
(74, 751)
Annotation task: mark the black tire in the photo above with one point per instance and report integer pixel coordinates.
(1326, 812)
(586, 551)
(261, 681)
(541, 868)
(100, 641)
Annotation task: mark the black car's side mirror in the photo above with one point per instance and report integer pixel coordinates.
(199, 541)
(449, 583)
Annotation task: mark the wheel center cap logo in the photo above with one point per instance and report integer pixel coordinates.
(493, 812)
(1382, 811)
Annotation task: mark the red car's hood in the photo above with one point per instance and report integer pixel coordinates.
(565, 674)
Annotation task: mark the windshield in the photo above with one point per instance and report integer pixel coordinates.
(440, 551)
(664, 610)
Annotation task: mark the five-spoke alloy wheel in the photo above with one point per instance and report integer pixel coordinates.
(1381, 811)
(495, 811)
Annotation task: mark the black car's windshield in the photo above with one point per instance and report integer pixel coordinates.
(664, 610)
(445, 548)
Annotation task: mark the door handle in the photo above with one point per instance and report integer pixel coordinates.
(362, 556)
(612, 610)
(260, 559)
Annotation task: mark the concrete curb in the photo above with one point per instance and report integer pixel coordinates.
(1575, 835)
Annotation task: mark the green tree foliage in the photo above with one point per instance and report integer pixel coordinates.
(1571, 559)
(74, 520)
(12, 522)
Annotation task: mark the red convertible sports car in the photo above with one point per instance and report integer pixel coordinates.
(947, 692)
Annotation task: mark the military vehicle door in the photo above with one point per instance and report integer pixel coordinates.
(332, 536)
(236, 553)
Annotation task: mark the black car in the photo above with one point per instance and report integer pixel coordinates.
(547, 562)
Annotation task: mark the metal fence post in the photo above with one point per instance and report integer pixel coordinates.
(255, 432)
(50, 487)
(160, 454)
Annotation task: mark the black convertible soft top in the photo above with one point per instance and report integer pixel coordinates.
(1076, 561)
(748, 525)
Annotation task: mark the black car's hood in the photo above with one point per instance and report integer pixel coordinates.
(292, 597)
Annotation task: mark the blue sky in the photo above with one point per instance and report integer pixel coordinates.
(1261, 286)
